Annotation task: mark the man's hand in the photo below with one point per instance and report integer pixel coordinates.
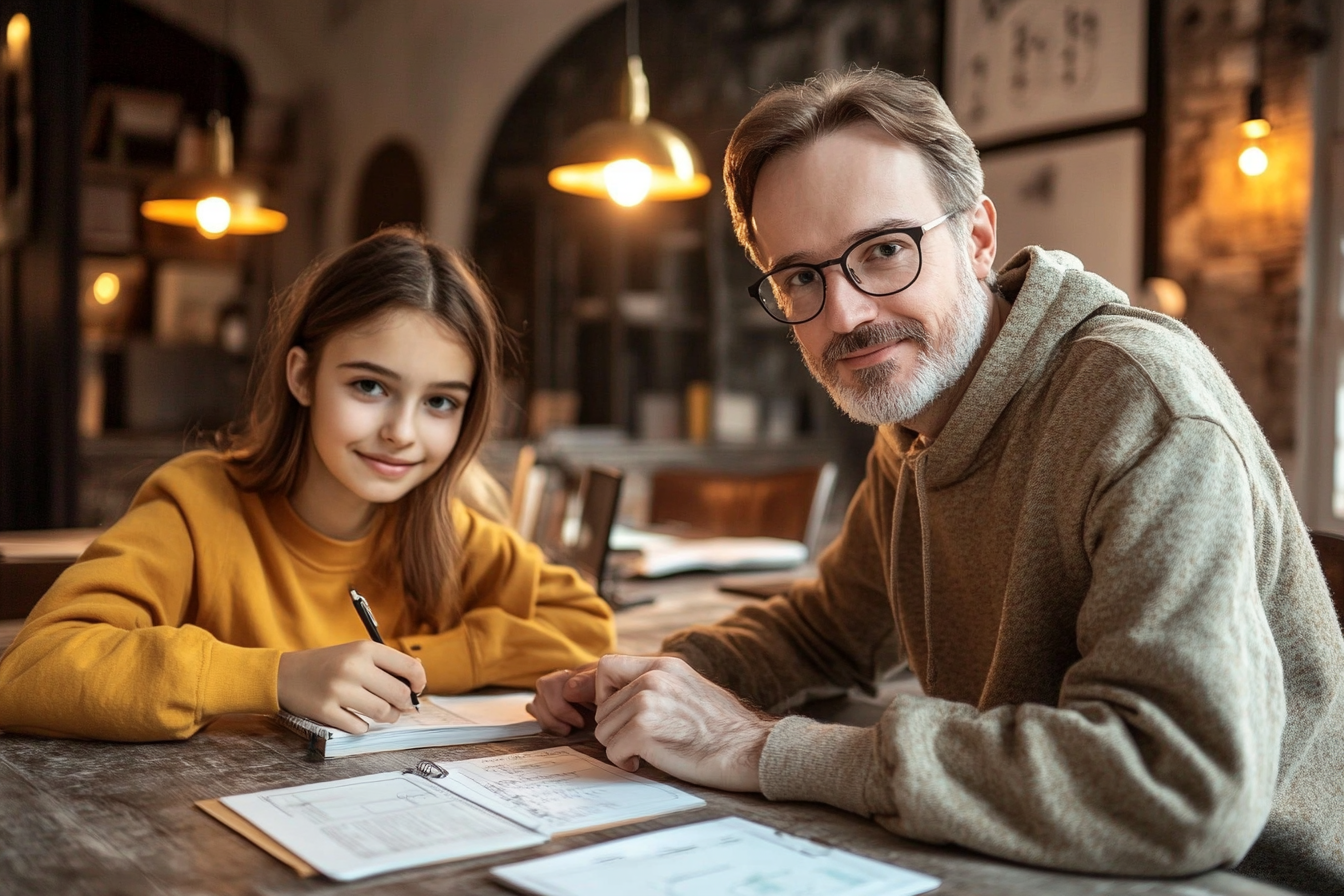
(661, 710)
(560, 696)
(326, 683)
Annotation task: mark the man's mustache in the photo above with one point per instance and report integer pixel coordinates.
(869, 335)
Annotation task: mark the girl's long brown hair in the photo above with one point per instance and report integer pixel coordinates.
(394, 268)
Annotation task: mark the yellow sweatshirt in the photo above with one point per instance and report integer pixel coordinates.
(179, 613)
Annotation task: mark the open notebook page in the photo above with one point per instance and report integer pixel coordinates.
(724, 857)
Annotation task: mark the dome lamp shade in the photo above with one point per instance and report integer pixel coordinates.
(635, 158)
(216, 202)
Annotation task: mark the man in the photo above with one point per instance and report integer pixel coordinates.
(1071, 529)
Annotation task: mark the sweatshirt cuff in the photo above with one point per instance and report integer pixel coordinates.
(239, 679)
(807, 760)
(450, 665)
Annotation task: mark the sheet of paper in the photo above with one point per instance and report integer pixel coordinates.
(375, 823)
(488, 709)
(718, 555)
(562, 791)
(724, 857)
(441, 721)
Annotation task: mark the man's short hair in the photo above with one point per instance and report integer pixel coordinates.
(790, 116)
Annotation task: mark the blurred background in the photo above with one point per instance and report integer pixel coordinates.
(1189, 150)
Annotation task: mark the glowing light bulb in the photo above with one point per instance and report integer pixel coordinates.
(1253, 161)
(212, 217)
(628, 181)
(17, 32)
(106, 288)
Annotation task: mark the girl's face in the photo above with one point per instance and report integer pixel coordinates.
(385, 409)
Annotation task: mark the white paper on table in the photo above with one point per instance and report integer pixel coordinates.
(375, 823)
(664, 558)
(560, 790)
(724, 857)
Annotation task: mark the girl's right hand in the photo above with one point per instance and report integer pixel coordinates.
(324, 684)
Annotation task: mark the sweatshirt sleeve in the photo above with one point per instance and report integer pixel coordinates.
(822, 638)
(1161, 755)
(105, 653)
(524, 617)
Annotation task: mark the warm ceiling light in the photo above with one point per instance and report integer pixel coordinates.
(1253, 161)
(106, 288)
(1255, 128)
(627, 181)
(213, 214)
(610, 158)
(17, 33)
(204, 200)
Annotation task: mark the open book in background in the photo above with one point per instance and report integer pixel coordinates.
(358, 827)
(724, 857)
(441, 722)
(661, 554)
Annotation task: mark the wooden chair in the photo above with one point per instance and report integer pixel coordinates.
(788, 504)
(1330, 551)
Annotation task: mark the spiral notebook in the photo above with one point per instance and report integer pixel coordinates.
(441, 722)
(357, 827)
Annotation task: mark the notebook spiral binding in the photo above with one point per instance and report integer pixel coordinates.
(427, 768)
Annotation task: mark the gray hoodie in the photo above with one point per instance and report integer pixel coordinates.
(1097, 572)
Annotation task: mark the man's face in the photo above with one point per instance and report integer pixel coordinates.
(884, 359)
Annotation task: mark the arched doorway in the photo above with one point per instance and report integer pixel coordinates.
(391, 190)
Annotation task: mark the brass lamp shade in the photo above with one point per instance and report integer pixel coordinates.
(678, 172)
(174, 200)
(178, 199)
(674, 168)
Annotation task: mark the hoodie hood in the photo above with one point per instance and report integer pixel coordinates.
(1043, 313)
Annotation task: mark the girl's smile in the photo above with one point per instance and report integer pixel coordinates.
(390, 467)
(385, 409)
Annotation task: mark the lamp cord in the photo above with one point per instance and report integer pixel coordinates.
(631, 27)
(219, 59)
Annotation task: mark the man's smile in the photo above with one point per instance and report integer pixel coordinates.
(870, 356)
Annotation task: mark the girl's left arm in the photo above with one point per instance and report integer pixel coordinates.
(523, 617)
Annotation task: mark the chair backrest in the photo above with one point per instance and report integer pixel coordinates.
(1330, 551)
(519, 494)
(599, 499)
(788, 504)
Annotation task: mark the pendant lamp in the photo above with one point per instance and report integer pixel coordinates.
(635, 158)
(1255, 127)
(219, 200)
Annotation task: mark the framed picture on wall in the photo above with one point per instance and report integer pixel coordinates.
(1048, 194)
(1018, 68)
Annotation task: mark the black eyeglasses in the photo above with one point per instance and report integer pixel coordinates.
(880, 265)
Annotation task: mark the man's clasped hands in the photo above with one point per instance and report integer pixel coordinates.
(659, 709)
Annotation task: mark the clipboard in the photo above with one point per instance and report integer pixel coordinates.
(240, 825)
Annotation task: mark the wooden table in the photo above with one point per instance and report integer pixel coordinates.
(93, 818)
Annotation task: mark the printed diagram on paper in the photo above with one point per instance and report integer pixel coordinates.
(391, 815)
(558, 787)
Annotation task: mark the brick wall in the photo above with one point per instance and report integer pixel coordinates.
(1236, 243)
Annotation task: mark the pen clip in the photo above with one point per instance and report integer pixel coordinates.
(366, 613)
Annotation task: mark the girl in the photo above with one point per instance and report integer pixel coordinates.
(226, 586)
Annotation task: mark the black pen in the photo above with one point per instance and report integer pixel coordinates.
(371, 626)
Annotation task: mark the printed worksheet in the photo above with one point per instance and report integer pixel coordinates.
(724, 857)
(367, 825)
(562, 791)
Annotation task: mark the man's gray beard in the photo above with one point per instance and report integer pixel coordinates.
(876, 399)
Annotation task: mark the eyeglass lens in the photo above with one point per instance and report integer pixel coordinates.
(880, 266)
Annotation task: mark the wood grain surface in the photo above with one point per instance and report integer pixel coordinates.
(83, 817)
(102, 818)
